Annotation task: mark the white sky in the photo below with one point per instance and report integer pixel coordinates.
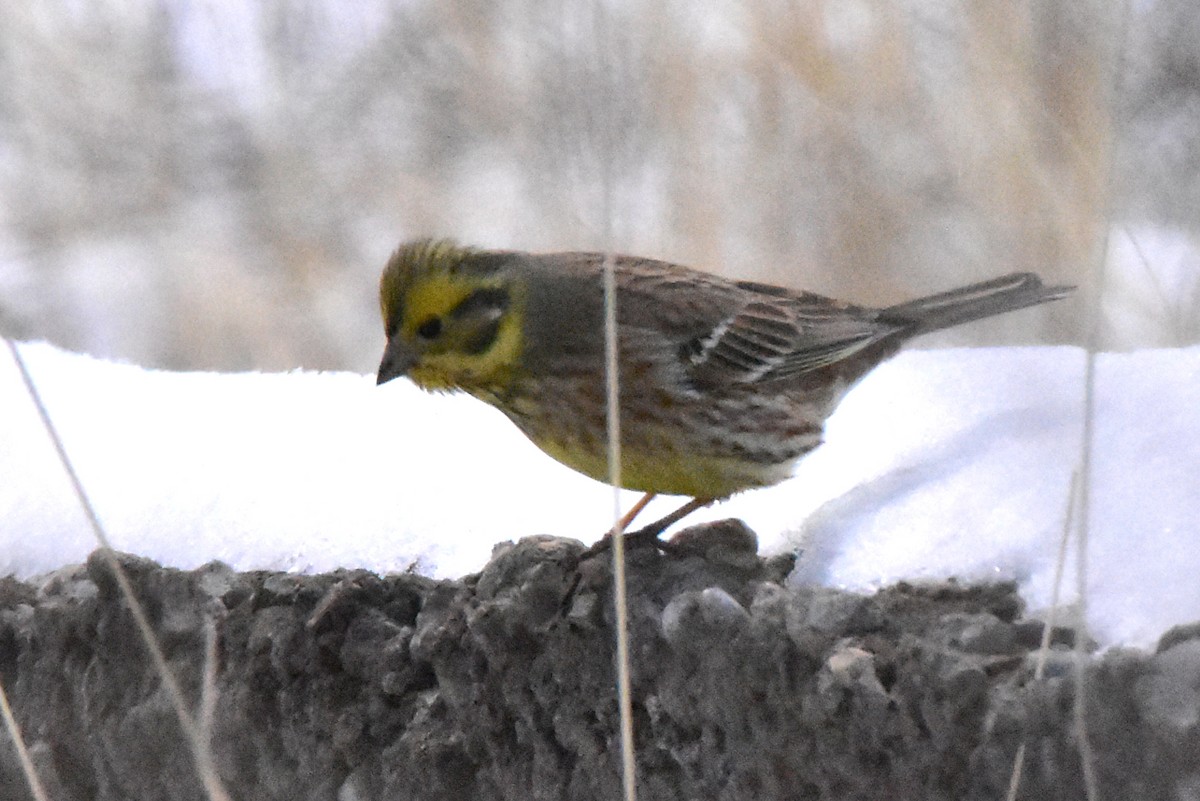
(941, 463)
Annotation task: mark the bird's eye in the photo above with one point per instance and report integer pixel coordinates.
(430, 329)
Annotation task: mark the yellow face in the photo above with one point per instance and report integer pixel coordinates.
(451, 329)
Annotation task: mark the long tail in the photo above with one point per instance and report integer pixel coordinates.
(1004, 294)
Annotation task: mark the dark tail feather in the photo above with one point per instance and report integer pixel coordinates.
(1004, 294)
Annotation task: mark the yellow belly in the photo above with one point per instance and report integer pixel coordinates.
(670, 471)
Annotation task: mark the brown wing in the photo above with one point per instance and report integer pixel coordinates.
(742, 332)
(722, 332)
(779, 335)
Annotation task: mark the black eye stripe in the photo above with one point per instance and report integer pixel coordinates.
(483, 339)
(492, 300)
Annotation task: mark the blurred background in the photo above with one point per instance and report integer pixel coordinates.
(202, 185)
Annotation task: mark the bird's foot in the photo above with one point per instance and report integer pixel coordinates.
(642, 538)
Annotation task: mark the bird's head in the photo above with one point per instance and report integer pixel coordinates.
(452, 316)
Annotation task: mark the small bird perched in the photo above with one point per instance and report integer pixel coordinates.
(724, 384)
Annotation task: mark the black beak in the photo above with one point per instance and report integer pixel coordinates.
(397, 361)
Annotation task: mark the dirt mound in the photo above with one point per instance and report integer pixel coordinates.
(501, 685)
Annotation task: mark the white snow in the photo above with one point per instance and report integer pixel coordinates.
(941, 463)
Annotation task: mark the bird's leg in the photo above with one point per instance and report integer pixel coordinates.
(635, 510)
(652, 531)
(643, 536)
(647, 535)
(605, 542)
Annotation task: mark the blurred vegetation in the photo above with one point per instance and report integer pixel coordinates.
(205, 185)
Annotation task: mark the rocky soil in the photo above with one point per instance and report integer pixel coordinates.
(500, 685)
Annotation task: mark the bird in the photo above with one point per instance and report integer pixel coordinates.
(723, 384)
